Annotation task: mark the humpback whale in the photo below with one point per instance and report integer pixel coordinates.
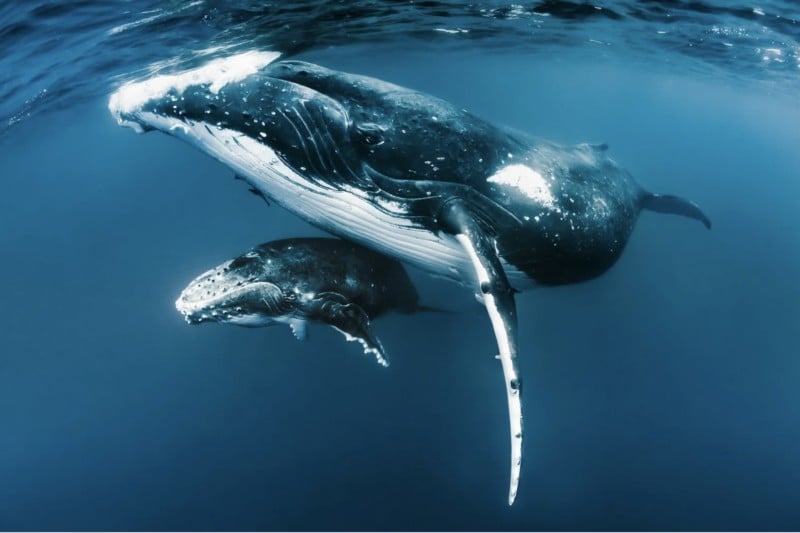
(410, 176)
(297, 281)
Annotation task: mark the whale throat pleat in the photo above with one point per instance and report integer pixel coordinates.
(385, 226)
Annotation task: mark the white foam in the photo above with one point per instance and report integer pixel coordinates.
(448, 30)
(159, 14)
(129, 25)
(218, 73)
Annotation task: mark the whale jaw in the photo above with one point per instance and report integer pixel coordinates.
(214, 296)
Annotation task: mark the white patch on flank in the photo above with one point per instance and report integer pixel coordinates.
(600, 208)
(528, 181)
(218, 73)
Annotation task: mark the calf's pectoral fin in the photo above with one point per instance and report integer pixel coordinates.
(350, 319)
(299, 328)
(498, 297)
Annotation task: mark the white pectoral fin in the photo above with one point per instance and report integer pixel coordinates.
(370, 344)
(498, 297)
(299, 328)
(350, 319)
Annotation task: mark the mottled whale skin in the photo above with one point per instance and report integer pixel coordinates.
(296, 281)
(411, 176)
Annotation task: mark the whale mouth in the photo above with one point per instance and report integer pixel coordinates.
(214, 296)
(199, 304)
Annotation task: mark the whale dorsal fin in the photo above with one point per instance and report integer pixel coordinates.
(350, 319)
(458, 220)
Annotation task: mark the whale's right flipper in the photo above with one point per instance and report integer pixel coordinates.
(498, 297)
(350, 319)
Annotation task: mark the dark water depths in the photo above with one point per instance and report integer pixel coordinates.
(663, 395)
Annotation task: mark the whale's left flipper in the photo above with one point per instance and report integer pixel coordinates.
(498, 297)
(349, 318)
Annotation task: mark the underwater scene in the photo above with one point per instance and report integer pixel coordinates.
(400, 265)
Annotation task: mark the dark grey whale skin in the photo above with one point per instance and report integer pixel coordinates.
(374, 282)
(301, 280)
(411, 144)
(346, 130)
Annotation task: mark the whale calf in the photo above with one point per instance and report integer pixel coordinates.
(411, 176)
(297, 281)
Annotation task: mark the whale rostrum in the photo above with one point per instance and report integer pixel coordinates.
(410, 176)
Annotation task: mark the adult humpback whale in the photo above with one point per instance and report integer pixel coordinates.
(296, 281)
(409, 175)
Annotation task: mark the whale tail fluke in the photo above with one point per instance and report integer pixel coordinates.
(675, 205)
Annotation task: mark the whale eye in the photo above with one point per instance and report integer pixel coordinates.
(239, 262)
(371, 134)
(242, 260)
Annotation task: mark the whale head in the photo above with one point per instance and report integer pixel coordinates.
(237, 109)
(307, 123)
(236, 292)
(345, 152)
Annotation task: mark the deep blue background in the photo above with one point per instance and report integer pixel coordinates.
(664, 395)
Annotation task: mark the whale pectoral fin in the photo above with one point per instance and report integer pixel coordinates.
(299, 328)
(498, 297)
(350, 319)
(432, 193)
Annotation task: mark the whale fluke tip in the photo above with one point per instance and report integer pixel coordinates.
(674, 205)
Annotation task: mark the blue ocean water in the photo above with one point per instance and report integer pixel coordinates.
(663, 395)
